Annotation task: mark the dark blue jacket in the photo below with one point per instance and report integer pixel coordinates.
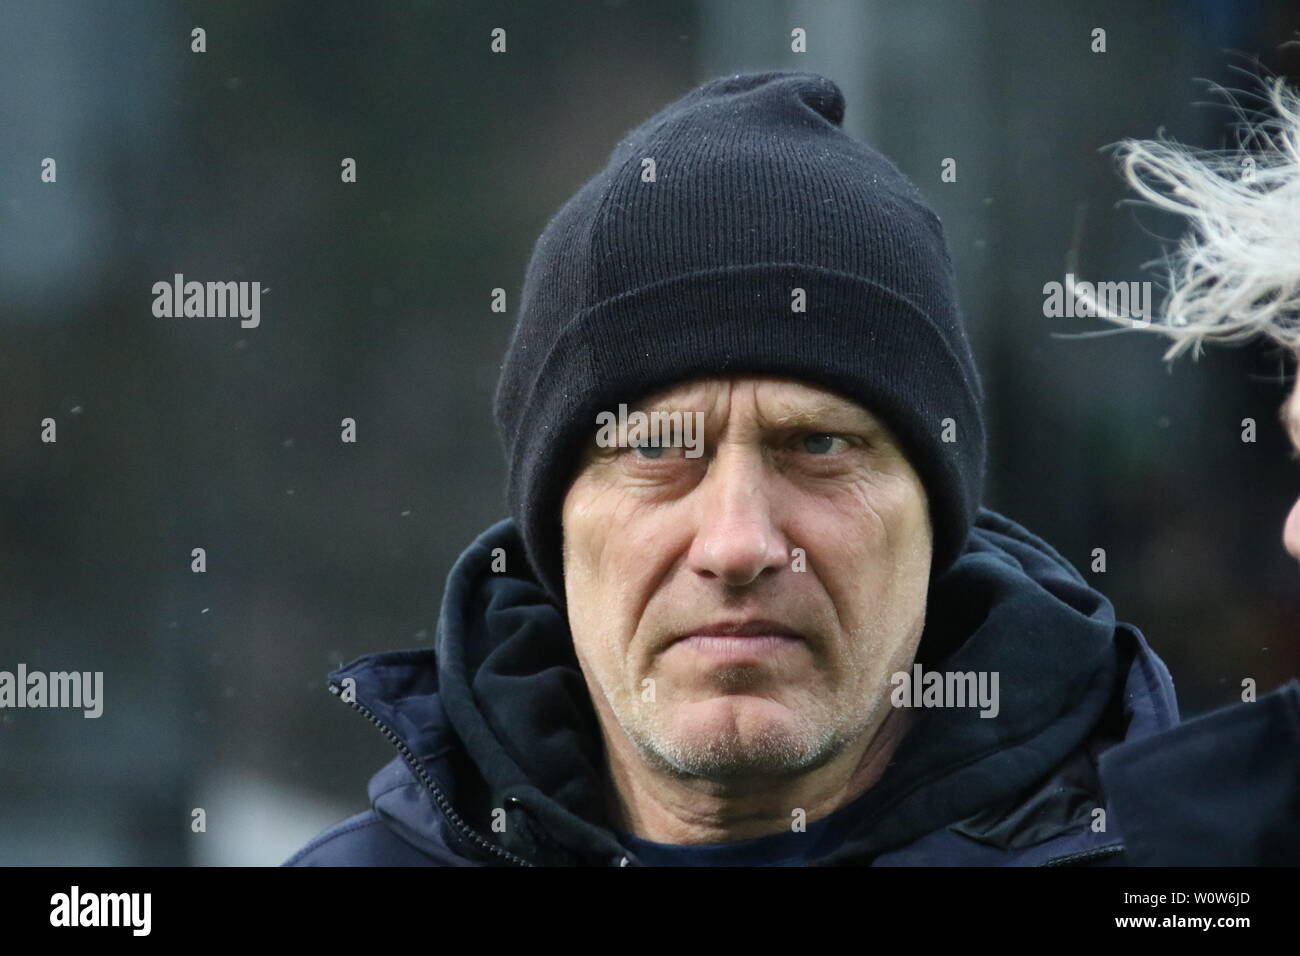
(495, 731)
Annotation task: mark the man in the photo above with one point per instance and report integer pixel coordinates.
(785, 633)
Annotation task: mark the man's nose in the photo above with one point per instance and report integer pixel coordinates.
(737, 537)
(1291, 531)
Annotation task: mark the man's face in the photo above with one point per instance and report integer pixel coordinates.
(1291, 418)
(802, 524)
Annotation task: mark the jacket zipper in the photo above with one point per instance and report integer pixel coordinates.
(1085, 856)
(439, 798)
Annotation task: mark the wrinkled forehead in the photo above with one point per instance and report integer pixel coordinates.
(773, 400)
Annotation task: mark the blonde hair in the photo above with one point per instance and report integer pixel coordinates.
(1236, 274)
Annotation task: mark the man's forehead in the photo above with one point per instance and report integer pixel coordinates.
(781, 399)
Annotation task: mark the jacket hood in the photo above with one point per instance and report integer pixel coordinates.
(497, 726)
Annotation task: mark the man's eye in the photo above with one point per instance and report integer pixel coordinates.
(647, 450)
(820, 443)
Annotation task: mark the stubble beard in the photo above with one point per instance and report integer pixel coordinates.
(775, 749)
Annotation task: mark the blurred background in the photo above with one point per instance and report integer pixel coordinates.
(176, 434)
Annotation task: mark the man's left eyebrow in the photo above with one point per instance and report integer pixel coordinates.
(828, 414)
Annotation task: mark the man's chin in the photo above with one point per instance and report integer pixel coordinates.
(737, 736)
(734, 715)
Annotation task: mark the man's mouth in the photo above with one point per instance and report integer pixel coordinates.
(754, 627)
(740, 641)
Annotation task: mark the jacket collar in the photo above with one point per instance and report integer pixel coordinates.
(496, 720)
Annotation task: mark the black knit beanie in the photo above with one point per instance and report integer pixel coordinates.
(679, 260)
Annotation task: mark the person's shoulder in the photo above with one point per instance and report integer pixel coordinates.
(361, 840)
(1219, 789)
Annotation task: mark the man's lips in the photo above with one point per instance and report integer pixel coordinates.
(757, 627)
(739, 642)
